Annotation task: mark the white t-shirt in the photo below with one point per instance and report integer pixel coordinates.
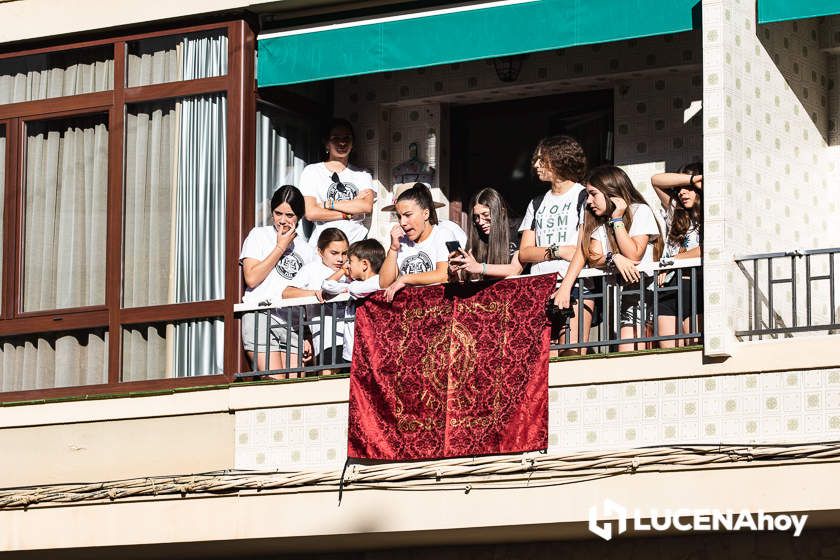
(258, 245)
(316, 181)
(413, 258)
(311, 277)
(556, 221)
(691, 239)
(644, 223)
(357, 289)
(456, 231)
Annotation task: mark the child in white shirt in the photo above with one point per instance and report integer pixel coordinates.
(359, 278)
(332, 248)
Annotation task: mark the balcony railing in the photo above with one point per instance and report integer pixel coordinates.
(299, 318)
(777, 282)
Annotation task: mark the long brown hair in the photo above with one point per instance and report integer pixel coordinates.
(613, 182)
(495, 247)
(685, 219)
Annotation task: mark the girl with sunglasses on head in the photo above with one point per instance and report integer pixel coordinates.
(681, 195)
(619, 231)
(489, 251)
(337, 193)
(417, 255)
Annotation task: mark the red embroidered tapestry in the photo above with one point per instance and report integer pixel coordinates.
(451, 370)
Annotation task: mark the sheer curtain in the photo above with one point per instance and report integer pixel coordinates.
(2, 190)
(33, 77)
(64, 243)
(175, 222)
(185, 57)
(200, 230)
(283, 145)
(65, 189)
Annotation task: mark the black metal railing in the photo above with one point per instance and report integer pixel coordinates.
(605, 293)
(283, 330)
(776, 283)
(280, 350)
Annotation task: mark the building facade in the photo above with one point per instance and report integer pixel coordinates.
(139, 143)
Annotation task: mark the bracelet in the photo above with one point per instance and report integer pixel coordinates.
(348, 216)
(325, 205)
(691, 180)
(618, 225)
(483, 270)
(614, 222)
(332, 204)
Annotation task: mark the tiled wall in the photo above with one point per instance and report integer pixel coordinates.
(769, 174)
(779, 407)
(655, 80)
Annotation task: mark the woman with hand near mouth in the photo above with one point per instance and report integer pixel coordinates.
(418, 254)
(337, 193)
(681, 195)
(619, 231)
(489, 251)
(271, 258)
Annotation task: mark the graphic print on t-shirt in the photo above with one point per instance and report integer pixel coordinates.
(417, 263)
(289, 265)
(342, 191)
(552, 224)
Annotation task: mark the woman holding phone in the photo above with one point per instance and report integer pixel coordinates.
(489, 251)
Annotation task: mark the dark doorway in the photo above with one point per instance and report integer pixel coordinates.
(492, 143)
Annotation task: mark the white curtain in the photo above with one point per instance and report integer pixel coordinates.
(176, 177)
(65, 214)
(33, 77)
(44, 362)
(282, 148)
(2, 191)
(169, 59)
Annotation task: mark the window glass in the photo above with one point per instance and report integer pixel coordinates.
(47, 361)
(285, 144)
(43, 76)
(174, 209)
(65, 200)
(167, 350)
(178, 57)
(2, 193)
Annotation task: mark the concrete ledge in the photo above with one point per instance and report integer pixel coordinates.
(370, 518)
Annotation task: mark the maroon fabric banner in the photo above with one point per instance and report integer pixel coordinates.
(451, 370)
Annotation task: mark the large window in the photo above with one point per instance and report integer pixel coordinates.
(122, 168)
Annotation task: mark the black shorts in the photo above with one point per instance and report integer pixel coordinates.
(668, 301)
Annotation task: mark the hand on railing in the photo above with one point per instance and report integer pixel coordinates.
(626, 268)
(392, 290)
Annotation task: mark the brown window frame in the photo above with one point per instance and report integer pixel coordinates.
(240, 90)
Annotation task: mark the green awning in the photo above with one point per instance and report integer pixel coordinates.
(782, 10)
(460, 34)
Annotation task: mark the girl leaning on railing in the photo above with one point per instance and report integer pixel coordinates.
(619, 232)
(681, 195)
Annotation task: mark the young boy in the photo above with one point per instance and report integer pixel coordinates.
(359, 278)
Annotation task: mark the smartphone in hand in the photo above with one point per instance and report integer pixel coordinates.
(453, 246)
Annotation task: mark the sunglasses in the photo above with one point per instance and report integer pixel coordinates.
(336, 180)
